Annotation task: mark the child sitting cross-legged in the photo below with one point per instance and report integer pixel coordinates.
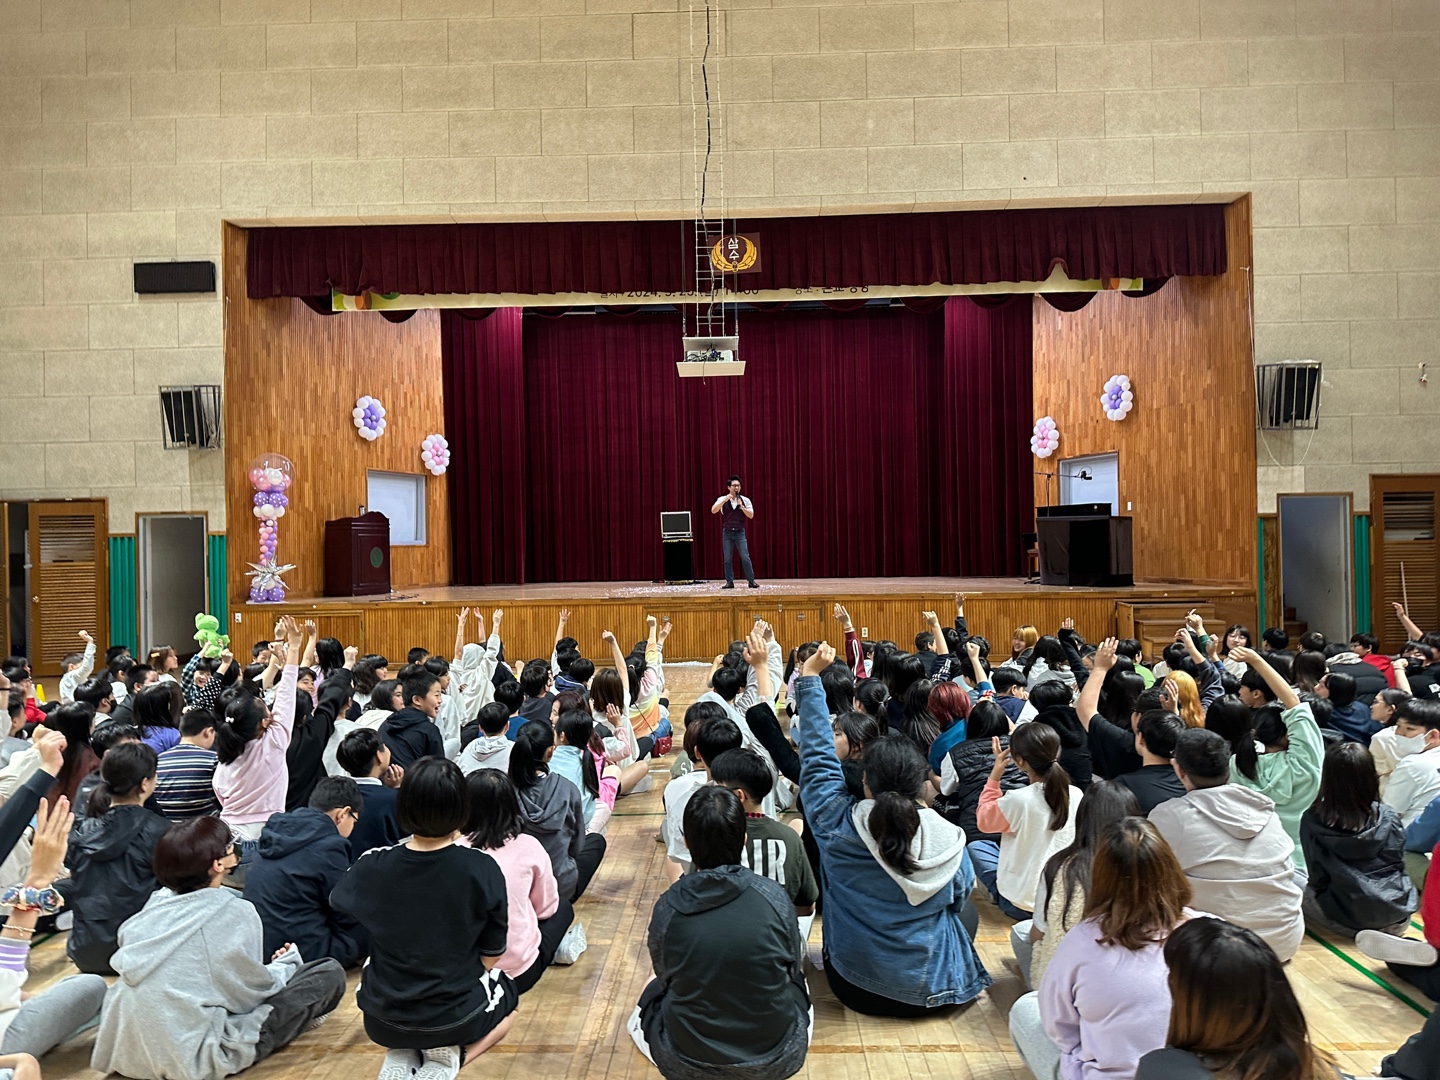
(704, 1013)
(364, 755)
(714, 733)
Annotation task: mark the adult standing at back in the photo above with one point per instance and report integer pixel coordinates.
(734, 509)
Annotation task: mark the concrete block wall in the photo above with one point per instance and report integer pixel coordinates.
(131, 128)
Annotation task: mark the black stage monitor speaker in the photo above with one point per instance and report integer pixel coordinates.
(175, 277)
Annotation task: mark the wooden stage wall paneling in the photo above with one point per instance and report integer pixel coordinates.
(291, 379)
(1187, 450)
(705, 625)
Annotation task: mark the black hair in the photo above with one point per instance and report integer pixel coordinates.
(577, 726)
(1048, 648)
(1204, 756)
(1160, 730)
(1233, 721)
(1349, 788)
(735, 479)
(714, 827)
(122, 771)
(871, 695)
(744, 769)
(987, 720)
(495, 815)
(904, 671)
(431, 802)
(1253, 681)
(1341, 686)
(195, 721)
(364, 677)
(510, 694)
(1177, 658)
(1235, 628)
(241, 723)
(1118, 694)
(382, 698)
(329, 654)
(93, 691)
(1422, 712)
(1276, 638)
(1005, 679)
(1068, 870)
(187, 850)
(333, 792)
(727, 682)
(1048, 693)
(115, 652)
(924, 641)
(534, 677)
(581, 669)
(859, 728)
(134, 677)
(1148, 699)
(416, 655)
(1307, 670)
(357, 752)
(527, 754)
(916, 723)
(494, 718)
(111, 733)
(417, 686)
(1313, 641)
(1128, 647)
(409, 671)
(895, 771)
(715, 737)
(565, 657)
(155, 707)
(437, 666)
(1038, 746)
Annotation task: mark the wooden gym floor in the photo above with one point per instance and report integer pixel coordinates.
(572, 1023)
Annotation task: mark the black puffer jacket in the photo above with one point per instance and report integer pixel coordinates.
(1359, 879)
(1074, 742)
(973, 759)
(110, 880)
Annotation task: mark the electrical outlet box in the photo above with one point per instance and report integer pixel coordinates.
(864, 631)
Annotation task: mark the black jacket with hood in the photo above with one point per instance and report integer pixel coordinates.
(973, 759)
(110, 880)
(311, 734)
(1359, 879)
(1074, 742)
(411, 735)
(302, 859)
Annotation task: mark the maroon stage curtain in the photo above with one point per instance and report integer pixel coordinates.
(874, 443)
(953, 247)
(485, 424)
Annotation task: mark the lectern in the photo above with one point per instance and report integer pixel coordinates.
(357, 555)
(1081, 548)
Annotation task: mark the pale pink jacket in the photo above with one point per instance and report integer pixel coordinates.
(530, 887)
(253, 786)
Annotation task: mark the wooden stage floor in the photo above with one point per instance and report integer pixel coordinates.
(572, 1024)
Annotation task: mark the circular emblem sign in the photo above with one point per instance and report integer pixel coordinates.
(734, 254)
(377, 557)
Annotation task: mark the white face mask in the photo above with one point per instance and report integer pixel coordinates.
(1411, 744)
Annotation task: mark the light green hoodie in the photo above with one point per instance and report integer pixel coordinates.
(1291, 778)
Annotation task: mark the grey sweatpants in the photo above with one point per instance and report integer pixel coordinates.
(49, 1018)
(313, 991)
(1041, 1056)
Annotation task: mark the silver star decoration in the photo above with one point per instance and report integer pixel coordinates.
(267, 575)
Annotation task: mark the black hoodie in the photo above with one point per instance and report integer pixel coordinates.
(411, 735)
(729, 990)
(110, 880)
(304, 758)
(1359, 879)
(1074, 742)
(302, 858)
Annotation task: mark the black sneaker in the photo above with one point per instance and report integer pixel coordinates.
(754, 584)
(728, 585)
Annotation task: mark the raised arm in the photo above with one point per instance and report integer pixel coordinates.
(312, 635)
(854, 650)
(1284, 692)
(460, 633)
(757, 655)
(932, 624)
(822, 781)
(1089, 702)
(1402, 679)
(1404, 616)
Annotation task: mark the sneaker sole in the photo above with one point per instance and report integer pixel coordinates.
(1395, 950)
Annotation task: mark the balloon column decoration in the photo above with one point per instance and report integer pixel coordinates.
(271, 476)
(369, 417)
(1046, 437)
(435, 454)
(1118, 399)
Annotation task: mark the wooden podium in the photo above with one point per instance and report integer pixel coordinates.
(357, 555)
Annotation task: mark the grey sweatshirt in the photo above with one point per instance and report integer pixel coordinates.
(937, 848)
(197, 961)
(553, 815)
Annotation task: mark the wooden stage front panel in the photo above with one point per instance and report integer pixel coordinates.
(706, 618)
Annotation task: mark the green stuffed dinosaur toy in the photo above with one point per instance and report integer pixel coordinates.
(207, 633)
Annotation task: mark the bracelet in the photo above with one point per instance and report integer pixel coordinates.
(28, 898)
(19, 929)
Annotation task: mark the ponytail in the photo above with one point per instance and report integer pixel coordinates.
(894, 821)
(1233, 720)
(578, 728)
(527, 755)
(240, 724)
(123, 771)
(1038, 746)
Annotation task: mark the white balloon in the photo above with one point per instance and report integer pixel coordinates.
(279, 511)
(256, 511)
(380, 408)
(1128, 395)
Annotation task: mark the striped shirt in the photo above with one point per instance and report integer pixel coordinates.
(185, 782)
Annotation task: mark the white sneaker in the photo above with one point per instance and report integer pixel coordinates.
(571, 946)
(399, 1065)
(439, 1064)
(1396, 950)
(317, 1021)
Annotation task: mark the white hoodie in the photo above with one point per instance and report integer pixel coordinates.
(370, 718)
(486, 752)
(937, 847)
(1237, 855)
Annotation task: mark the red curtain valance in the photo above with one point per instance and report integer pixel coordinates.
(967, 247)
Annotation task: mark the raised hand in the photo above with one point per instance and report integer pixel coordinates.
(564, 616)
(821, 659)
(650, 622)
(1245, 655)
(292, 632)
(464, 614)
(756, 654)
(1399, 609)
(495, 619)
(972, 650)
(51, 745)
(86, 635)
(931, 619)
(842, 615)
(960, 603)
(1068, 624)
(1002, 758)
(1170, 695)
(1105, 655)
(607, 637)
(311, 630)
(1195, 622)
(52, 836)
(352, 653)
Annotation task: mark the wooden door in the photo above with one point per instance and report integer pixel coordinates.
(69, 580)
(1404, 554)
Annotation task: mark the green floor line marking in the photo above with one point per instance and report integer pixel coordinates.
(1368, 974)
(1416, 926)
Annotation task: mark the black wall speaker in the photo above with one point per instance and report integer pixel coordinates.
(175, 277)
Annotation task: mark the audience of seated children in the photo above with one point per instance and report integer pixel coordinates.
(709, 732)
(1349, 716)
(1232, 1012)
(1355, 850)
(1155, 781)
(967, 767)
(491, 749)
(157, 712)
(1415, 781)
(185, 774)
(575, 761)
(1060, 895)
(885, 853)
(364, 755)
(303, 855)
(315, 727)
(538, 915)
(1104, 1001)
(410, 732)
(552, 810)
(383, 700)
(1034, 822)
(1232, 845)
(728, 998)
(194, 956)
(535, 680)
(1052, 700)
(437, 1000)
(106, 735)
(111, 876)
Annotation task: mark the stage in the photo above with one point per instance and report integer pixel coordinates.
(707, 617)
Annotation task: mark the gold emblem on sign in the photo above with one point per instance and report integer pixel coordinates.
(734, 254)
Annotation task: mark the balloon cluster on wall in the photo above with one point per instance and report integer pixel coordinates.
(1118, 399)
(369, 417)
(271, 476)
(1045, 438)
(435, 454)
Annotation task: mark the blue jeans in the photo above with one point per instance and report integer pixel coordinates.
(985, 857)
(732, 541)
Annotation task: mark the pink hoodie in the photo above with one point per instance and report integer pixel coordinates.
(253, 786)
(533, 895)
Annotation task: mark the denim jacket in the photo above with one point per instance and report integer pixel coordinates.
(874, 938)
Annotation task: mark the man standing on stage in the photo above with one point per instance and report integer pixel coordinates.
(733, 509)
